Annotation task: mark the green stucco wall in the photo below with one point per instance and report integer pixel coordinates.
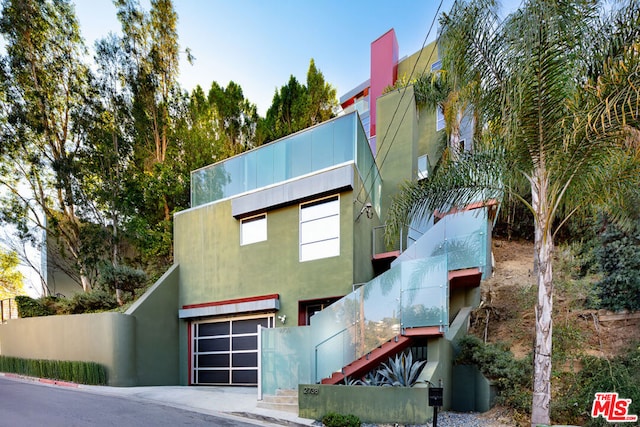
(396, 142)
(424, 59)
(156, 327)
(381, 405)
(214, 267)
(105, 338)
(428, 140)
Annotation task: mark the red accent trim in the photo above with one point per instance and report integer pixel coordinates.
(303, 303)
(56, 382)
(467, 278)
(232, 301)
(384, 255)
(425, 331)
(476, 205)
(189, 354)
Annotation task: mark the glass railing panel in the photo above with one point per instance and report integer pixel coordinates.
(285, 358)
(322, 147)
(333, 354)
(465, 222)
(251, 170)
(300, 149)
(432, 243)
(467, 251)
(344, 138)
(265, 169)
(380, 311)
(425, 293)
(233, 176)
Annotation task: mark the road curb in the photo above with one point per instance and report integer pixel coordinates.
(39, 380)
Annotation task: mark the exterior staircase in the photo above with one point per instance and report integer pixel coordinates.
(385, 316)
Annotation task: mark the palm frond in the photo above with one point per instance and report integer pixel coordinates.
(473, 177)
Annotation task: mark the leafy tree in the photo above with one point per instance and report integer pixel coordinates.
(296, 106)
(322, 97)
(11, 280)
(48, 103)
(546, 117)
(154, 188)
(238, 118)
(287, 112)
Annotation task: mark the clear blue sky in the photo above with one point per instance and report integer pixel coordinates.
(259, 43)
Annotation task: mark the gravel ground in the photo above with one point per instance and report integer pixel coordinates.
(446, 419)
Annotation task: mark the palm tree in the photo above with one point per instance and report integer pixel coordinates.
(558, 105)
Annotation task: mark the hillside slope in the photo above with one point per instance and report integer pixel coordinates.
(508, 299)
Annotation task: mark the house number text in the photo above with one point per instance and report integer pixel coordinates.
(310, 390)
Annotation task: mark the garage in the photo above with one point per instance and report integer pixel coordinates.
(225, 351)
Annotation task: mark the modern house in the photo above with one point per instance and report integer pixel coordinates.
(285, 276)
(282, 273)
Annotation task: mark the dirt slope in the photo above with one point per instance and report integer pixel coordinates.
(509, 296)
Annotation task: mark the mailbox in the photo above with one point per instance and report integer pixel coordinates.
(435, 396)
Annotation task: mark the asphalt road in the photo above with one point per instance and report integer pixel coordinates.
(33, 405)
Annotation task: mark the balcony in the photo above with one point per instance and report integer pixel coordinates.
(330, 144)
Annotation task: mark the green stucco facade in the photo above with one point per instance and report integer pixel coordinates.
(214, 266)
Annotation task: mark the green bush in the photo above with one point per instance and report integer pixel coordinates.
(90, 302)
(333, 419)
(619, 260)
(29, 307)
(122, 277)
(620, 374)
(511, 376)
(73, 371)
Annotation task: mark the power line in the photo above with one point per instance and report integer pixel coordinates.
(403, 94)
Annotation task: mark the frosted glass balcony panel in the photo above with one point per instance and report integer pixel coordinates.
(285, 358)
(328, 144)
(322, 146)
(265, 171)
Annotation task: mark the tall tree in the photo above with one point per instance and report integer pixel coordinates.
(150, 43)
(48, 103)
(237, 117)
(322, 101)
(296, 106)
(565, 127)
(11, 280)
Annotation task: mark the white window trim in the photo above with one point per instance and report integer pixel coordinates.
(248, 220)
(316, 202)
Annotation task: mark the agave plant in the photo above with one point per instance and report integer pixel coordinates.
(401, 371)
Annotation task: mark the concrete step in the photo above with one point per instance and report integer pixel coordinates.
(288, 407)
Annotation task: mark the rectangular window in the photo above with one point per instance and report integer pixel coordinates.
(439, 112)
(320, 229)
(423, 166)
(253, 229)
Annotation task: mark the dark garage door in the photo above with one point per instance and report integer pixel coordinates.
(225, 351)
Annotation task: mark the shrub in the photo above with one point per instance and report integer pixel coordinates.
(333, 419)
(619, 261)
(511, 376)
(90, 302)
(29, 307)
(74, 371)
(620, 374)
